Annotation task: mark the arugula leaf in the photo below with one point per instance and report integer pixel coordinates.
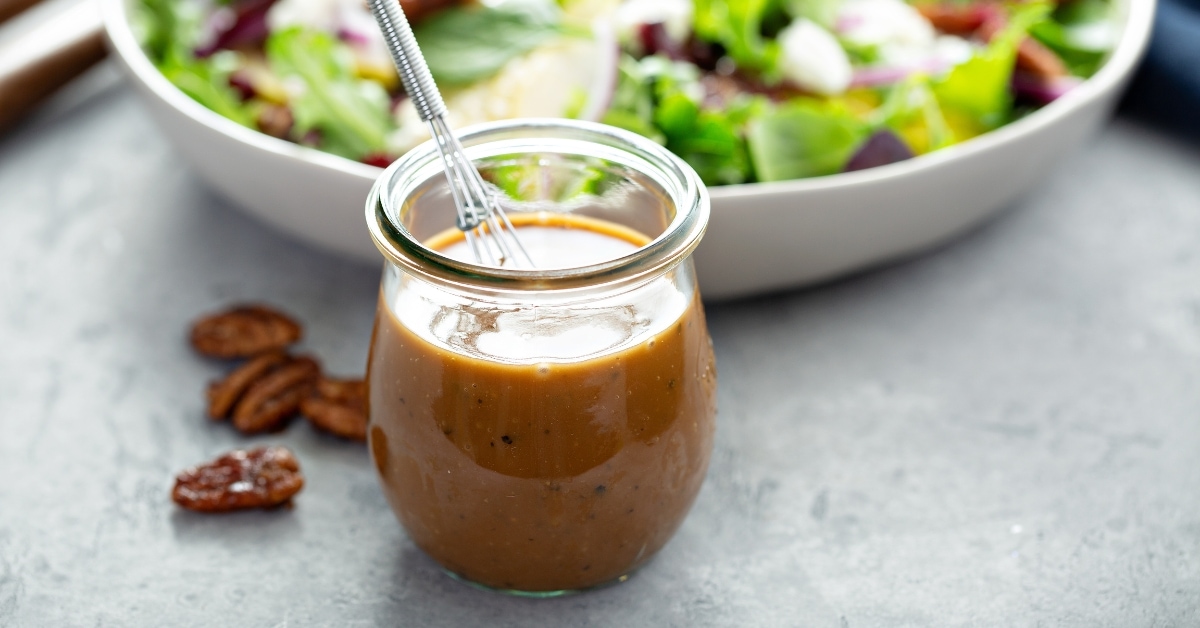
(978, 88)
(738, 26)
(468, 43)
(351, 114)
(804, 138)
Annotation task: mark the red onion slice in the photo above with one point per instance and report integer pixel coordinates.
(1042, 91)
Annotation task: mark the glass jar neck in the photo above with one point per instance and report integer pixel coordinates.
(632, 171)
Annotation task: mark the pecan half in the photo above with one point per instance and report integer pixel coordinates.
(258, 478)
(244, 331)
(224, 394)
(338, 406)
(275, 397)
(275, 120)
(958, 19)
(417, 10)
(1034, 57)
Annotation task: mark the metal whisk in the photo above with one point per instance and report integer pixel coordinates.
(489, 234)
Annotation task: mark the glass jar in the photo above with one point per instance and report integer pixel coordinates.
(543, 431)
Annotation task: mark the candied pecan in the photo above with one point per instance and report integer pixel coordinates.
(224, 394)
(1035, 58)
(417, 10)
(958, 19)
(244, 331)
(719, 90)
(276, 397)
(338, 406)
(258, 478)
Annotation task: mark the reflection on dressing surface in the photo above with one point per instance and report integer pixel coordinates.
(542, 448)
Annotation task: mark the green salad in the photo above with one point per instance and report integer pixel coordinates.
(743, 90)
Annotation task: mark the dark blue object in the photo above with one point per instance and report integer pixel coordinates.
(1166, 90)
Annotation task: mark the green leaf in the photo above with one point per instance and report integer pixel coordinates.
(210, 87)
(660, 99)
(523, 178)
(712, 144)
(979, 87)
(738, 26)
(634, 123)
(465, 44)
(1081, 59)
(351, 114)
(1082, 12)
(633, 94)
(711, 141)
(633, 103)
(912, 112)
(823, 12)
(861, 54)
(167, 29)
(805, 138)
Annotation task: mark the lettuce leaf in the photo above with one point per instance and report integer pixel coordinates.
(660, 99)
(804, 138)
(351, 114)
(465, 44)
(632, 106)
(979, 88)
(710, 141)
(738, 26)
(823, 12)
(1070, 34)
(1082, 12)
(523, 178)
(207, 82)
(912, 112)
(1081, 61)
(168, 31)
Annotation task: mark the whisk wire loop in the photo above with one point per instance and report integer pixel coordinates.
(488, 231)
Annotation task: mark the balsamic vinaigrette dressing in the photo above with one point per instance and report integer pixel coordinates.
(537, 452)
(555, 240)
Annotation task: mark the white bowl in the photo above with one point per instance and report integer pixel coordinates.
(762, 236)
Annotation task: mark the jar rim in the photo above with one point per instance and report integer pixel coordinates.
(409, 174)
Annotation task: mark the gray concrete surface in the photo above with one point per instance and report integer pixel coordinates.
(1005, 432)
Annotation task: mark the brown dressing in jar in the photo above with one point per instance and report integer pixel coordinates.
(529, 449)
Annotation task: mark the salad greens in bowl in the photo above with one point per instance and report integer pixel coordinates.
(835, 133)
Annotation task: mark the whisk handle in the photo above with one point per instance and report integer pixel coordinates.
(414, 73)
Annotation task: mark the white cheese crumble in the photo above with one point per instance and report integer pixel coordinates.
(812, 59)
